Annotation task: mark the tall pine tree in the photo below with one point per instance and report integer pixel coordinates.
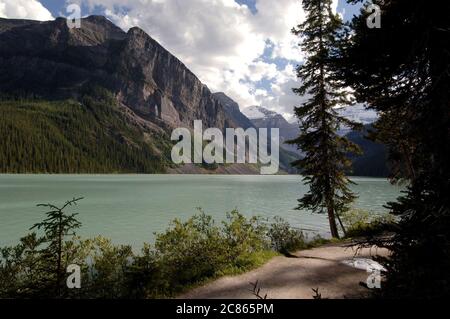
(326, 153)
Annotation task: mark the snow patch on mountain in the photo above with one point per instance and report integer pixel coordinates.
(257, 112)
(358, 113)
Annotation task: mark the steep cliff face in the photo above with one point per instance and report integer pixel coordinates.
(51, 60)
(157, 85)
(233, 111)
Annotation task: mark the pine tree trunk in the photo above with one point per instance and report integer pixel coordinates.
(332, 221)
(331, 213)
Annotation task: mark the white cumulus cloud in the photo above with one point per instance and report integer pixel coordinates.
(24, 9)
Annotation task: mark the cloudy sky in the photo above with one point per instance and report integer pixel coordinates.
(241, 47)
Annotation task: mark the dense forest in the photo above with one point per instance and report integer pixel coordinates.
(91, 135)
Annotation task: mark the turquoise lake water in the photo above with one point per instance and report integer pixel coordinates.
(130, 208)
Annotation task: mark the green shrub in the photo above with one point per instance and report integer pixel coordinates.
(359, 222)
(145, 277)
(191, 251)
(243, 236)
(284, 238)
(22, 270)
(198, 249)
(107, 269)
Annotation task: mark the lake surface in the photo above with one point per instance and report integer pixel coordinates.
(130, 208)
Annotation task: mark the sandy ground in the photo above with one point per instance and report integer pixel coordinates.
(294, 277)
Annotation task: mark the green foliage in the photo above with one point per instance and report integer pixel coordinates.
(22, 270)
(36, 266)
(107, 273)
(57, 226)
(318, 241)
(146, 276)
(91, 135)
(284, 238)
(186, 254)
(198, 249)
(191, 251)
(360, 222)
(326, 161)
(244, 235)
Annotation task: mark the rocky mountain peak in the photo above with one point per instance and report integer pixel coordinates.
(143, 75)
(227, 101)
(258, 112)
(97, 30)
(233, 110)
(264, 118)
(137, 32)
(99, 19)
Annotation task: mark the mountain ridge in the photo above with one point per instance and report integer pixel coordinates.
(262, 117)
(142, 74)
(372, 163)
(152, 89)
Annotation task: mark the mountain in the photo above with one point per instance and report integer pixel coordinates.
(92, 135)
(124, 88)
(106, 100)
(233, 111)
(373, 162)
(359, 113)
(98, 99)
(264, 118)
(53, 61)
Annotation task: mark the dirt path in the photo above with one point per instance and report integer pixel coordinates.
(294, 277)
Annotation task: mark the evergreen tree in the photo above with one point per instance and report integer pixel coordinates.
(57, 226)
(326, 153)
(402, 70)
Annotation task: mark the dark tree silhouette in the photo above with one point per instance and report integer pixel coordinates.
(402, 70)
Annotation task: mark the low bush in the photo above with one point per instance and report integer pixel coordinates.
(360, 223)
(284, 238)
(186, 254)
